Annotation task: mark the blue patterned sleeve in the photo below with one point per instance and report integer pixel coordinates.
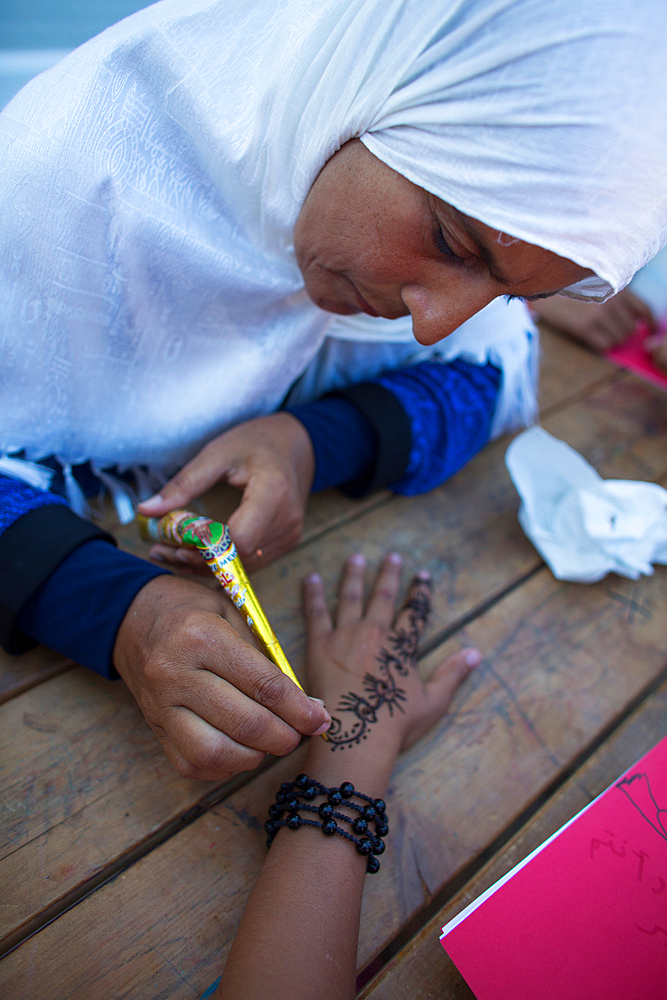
(17, 499)
(450, 408)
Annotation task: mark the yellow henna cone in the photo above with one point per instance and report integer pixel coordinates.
(180, 527)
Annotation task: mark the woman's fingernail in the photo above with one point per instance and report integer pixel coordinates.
(472, 657)
(181, 557)
(323, 728)
(357, 559)
(314, 578)
(423, 574)
(318, 700)
(395, 558)
(152, 503)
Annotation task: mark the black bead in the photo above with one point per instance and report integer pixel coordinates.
(378, 845)
(372, 865)
(380, 805)
(293, 821)
(286, 786)
(360, 825)
(364, 846)
(381, 829)
(271, 827)
(269, 841)
(310, 792)
(276, 811)
(326, 810)
(347, 789)
(329, 827)
(301, 780)
(335, 798)
(369, 813)
(281, 796)
(292, 804)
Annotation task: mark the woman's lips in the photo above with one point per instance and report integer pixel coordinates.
(363, 305)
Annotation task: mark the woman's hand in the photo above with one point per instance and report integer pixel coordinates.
(271, 459)
(215, 703)
(598, 326)
(365, 668)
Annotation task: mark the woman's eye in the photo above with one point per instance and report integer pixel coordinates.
(446, 251)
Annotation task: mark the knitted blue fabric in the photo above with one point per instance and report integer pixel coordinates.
(17, 499)
(450, 408)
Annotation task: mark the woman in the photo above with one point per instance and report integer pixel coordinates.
(189, 196)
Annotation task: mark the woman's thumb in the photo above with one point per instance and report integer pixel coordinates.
(193, 479)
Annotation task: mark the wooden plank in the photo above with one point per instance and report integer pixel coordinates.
(563, 661)
(422, 968)
(83, 782)
(466, 533)
(567, 369)
(20, 673)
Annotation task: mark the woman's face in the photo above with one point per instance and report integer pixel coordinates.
(368, 240)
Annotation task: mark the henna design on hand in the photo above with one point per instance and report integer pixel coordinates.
(399, 659)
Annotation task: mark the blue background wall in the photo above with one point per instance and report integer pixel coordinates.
(34, 34)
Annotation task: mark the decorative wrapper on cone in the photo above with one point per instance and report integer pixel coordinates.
(180, 527)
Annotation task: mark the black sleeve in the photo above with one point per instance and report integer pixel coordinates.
(361, 438)
(30, 549)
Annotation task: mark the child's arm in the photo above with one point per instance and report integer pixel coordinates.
(298, 935)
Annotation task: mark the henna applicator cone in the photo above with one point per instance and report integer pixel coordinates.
(181, 527)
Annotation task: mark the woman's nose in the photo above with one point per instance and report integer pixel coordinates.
(437, 312)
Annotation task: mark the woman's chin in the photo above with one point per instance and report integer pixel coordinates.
(336, 306)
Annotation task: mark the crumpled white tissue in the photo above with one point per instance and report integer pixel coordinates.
(585, 526)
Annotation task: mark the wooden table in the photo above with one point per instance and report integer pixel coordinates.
(119, 879)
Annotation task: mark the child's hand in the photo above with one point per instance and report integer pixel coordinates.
(365, 668)
(657, 345)
(598, 326)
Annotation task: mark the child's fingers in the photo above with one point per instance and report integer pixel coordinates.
(414, 613)
(440, 689)
(382, 602)
(351, 591)
(318, 619)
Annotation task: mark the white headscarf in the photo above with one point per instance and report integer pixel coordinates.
(149, 294)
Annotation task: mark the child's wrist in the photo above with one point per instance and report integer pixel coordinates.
(368, 766)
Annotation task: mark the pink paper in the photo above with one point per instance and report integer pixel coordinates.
(633, 356)
(585, 916)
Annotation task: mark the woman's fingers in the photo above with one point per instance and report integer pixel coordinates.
(351, 591)
(205, 469)
(382, 602)
(195, 747)
(182, 558)
(269, 517)
(318, 619)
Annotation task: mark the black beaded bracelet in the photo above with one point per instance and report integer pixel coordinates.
(288, 801)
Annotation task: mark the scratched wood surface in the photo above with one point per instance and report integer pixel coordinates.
(85, 791)
(562, 664)
(422, 968)
(466, 533)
